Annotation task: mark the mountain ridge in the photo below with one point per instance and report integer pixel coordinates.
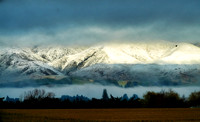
(102, 63)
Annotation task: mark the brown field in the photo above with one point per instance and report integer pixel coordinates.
(162, 114)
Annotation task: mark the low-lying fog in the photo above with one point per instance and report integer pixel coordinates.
(95, 91)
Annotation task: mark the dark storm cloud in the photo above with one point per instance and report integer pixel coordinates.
(152, 19)
(27, 14)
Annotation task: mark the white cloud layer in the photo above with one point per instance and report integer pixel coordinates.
(95, 91)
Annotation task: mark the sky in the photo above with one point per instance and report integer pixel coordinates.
(85, 22)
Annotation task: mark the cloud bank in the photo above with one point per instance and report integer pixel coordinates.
(95, 91)
(69, 22)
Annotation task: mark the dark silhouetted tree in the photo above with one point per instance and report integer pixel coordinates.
(125, 97)
(105, 95)
(163, 99)
(194, 99)
(1, 99)
(37, 94)
(134, 97)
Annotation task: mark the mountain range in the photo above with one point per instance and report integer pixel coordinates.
(126, 65)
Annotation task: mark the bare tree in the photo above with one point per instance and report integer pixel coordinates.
(37, 94)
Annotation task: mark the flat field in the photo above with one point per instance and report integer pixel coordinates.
(140, 114)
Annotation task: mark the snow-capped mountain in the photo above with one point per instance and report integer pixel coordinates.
(129, 64)
(19, 64)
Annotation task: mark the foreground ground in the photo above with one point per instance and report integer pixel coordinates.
(180, 114)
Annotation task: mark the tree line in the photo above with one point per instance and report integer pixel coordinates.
(163, 99)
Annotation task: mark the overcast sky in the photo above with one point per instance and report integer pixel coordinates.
(71, 22)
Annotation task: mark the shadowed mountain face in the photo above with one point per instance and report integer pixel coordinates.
(124, 65)
(197, 44)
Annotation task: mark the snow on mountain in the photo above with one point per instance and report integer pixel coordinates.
(137, 53)
(85, 58)
(184, 54)
(18, 64)
(54, 53)
(129, 63)
(115, 54)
